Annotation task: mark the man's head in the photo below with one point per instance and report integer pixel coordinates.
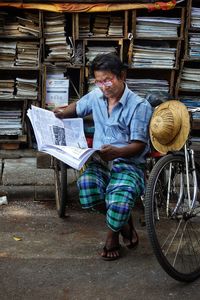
(109, 74)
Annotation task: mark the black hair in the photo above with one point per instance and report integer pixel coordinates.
(107, 62)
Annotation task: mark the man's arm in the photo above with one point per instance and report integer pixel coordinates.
(109, 152)
(67, 112)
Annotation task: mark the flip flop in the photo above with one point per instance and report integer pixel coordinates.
(113, 249)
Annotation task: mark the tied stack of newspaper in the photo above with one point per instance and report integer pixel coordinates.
(63, 139)
(58, 47)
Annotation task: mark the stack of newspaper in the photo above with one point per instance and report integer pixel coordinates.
(116, 26)
(10, 121)
(93, 51)
(145, 85)
(26, 88)
(153, 56)
(100, 25)
(195, 17)
(7, 88)
(63, 139)
(29, 24)
(7, 54)
(162, 27)
(84, 26)
(58, 47)
(190, 79)
(27, 54)
(20, 25)
(194, 45)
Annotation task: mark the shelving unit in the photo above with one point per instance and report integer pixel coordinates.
(154, 51)
(160, 47)
(188, 82)
(20, 62)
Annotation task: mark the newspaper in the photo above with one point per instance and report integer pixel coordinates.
(63, 139)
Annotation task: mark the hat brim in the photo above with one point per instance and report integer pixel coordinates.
(179, 141)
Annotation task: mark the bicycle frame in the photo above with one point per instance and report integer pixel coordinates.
(189, 166)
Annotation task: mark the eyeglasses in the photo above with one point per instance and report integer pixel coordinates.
(106, 83)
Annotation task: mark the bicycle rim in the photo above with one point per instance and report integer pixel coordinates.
(173, 233)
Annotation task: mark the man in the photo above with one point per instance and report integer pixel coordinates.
(113, 182)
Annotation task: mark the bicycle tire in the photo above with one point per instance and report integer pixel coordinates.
(60, 176)
(174, 238)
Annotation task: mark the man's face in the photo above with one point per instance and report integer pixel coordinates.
(110, 85)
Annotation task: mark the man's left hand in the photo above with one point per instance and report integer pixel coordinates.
(109, 152)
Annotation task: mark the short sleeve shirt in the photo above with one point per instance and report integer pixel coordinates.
(128, 121)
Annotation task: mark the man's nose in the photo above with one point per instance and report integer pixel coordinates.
(104, 87)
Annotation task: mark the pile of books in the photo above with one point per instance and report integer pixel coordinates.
(145, 85)
(157, 27)
(10, 121)
(58, 47)
(153, 56)
(26, 88)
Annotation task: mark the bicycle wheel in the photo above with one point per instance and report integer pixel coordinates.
(60, 175)
(173, 230)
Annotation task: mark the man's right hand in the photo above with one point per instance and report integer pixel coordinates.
(59, 112)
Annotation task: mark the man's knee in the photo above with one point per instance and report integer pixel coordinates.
(117, 215)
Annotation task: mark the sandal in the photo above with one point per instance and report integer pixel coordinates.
(129, 241)
(112, 250)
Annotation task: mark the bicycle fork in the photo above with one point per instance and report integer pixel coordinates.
(189, 167)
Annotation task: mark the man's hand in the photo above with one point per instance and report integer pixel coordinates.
(109, 152)
(63, 112)
(58, 111)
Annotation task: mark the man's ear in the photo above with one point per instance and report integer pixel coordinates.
(123, 75)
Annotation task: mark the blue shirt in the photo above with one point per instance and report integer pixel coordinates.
(128, 121)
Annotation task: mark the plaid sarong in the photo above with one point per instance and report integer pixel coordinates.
(118, 188)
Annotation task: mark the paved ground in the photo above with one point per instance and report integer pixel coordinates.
(44, 257)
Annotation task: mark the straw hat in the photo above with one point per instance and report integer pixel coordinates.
(169, 126)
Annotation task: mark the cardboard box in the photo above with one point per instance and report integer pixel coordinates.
(57, 93)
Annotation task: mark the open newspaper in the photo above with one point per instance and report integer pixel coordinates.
(63, 139)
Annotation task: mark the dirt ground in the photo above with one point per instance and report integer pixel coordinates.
(45, 257)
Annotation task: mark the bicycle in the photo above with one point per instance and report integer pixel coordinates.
(172, 212)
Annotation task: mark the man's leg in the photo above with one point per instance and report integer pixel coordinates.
(125, 186)
(92, 185)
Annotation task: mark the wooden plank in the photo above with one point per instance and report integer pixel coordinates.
(44, 161)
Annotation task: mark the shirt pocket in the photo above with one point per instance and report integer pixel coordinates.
(118, 133)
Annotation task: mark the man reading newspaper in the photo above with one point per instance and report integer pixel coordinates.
(112, 182)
